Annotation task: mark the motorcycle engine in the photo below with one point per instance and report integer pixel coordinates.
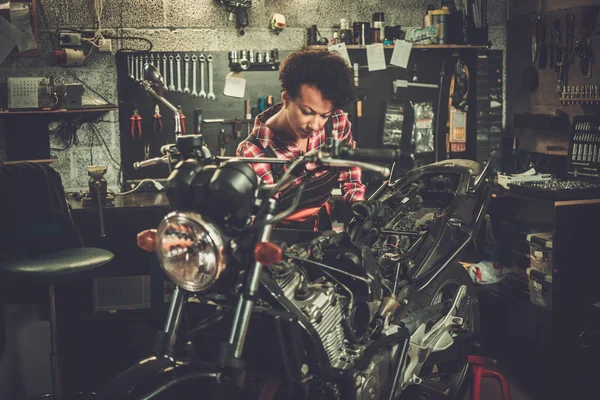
(323, 306)
(320, 303)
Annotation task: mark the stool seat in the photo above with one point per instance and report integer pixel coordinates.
(55, 266)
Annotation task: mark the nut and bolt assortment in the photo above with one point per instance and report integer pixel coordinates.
(242, 60)
(580, 94)
(179, 76)
(586, 142)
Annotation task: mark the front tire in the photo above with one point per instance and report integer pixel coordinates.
(442, 288)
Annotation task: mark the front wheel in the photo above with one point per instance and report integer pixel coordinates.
(455, 374)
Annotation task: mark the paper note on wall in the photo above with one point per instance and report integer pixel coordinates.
(342, 50)
(401, 53)
(235, 85)
(21, 19)
(375, 57)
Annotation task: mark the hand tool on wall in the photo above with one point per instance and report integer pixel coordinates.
(136, 65)
(211, 93)
(136, 120)
(197, 121)
(182, 119)
(157, 125)
(542, 57)
(583, 49)
(270, 101)
(157, 64)
(172, 75)
(535, 22)
(194, 75)
(146, 60)
(129, 65)
(223, 141)
(555, 45)
(152, 59)
(141, 64)
(186, 61)
(202, 76)
(262, 104)
(248, 116)
(164, 72)
(178, 59)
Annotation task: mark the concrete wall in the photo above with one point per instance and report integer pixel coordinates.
(189, 25)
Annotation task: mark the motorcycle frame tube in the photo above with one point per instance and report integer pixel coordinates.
(243, 312)
(400, 363)
(182, 379)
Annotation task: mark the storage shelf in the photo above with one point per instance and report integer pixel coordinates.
(578, 100)
(46, 161)
(62, 111)
(415, 46)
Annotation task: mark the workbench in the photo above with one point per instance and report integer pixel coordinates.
(541, 345)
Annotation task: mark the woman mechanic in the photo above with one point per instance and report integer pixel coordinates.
(315, 85)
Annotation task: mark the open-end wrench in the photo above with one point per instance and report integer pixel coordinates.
(157, 64)
(146, 60)
(164, 71)
(178, 58)
(141, 76)
(194, 74)
(137, 68)
(202, 93)
(152, 59)
(186, 60)
(129, 66)
(211, 93)
(172, 80)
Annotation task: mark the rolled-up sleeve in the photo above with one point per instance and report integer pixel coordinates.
(350, 179)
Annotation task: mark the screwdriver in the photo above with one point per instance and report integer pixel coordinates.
(248, 116)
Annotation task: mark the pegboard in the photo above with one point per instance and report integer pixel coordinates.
(375, 88)
(258, 84)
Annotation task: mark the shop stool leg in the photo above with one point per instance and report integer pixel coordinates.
(477, 363)
(503, 382)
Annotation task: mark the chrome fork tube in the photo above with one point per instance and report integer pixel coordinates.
(165, 340)
(243, 311)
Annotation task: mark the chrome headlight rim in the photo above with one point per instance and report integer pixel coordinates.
(215, 239)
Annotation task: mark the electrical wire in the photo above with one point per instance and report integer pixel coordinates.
(139, 185)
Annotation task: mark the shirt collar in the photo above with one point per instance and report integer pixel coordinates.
(263, 133)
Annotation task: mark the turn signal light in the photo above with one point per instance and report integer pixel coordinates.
(146, 240)
(268, 253)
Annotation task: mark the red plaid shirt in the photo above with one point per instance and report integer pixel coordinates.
(350, 178)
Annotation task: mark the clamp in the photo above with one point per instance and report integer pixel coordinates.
(136, 119)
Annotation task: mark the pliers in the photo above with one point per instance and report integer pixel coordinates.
(157, 125)
(136, 119)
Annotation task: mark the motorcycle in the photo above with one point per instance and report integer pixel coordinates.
(382, 310)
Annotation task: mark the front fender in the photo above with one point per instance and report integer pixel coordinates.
(153, 377)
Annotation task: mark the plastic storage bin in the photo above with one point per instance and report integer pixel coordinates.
(540, 288)
(540, 252)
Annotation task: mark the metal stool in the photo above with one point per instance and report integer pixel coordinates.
(479, 372)
(51, 269)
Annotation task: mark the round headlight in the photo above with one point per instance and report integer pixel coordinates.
(190, 250)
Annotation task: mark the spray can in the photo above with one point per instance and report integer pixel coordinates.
(379, 23)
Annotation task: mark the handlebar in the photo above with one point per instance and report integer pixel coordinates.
(370, 155)
(151, 161)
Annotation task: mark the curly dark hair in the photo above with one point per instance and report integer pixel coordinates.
(325, 70)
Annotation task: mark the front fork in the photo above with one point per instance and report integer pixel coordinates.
(243, 312)
(164, 344)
